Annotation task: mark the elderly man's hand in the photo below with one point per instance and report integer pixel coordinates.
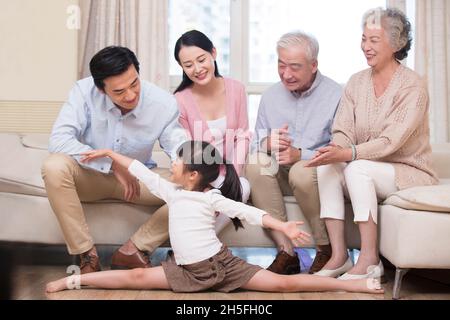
(278, 140)
(289, 156)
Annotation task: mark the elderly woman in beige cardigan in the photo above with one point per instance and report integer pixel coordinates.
(380, 142)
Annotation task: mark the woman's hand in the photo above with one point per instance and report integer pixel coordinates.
(95, 154)
(291, 230)
(330, 154)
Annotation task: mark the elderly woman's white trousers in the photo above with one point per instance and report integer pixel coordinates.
(365, 183)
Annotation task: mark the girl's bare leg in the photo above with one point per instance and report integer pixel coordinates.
(140, 278)
(265, 280)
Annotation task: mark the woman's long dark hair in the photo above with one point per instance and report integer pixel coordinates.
(193, 38)
(202, 157)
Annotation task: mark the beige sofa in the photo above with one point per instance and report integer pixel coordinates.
(414, 226)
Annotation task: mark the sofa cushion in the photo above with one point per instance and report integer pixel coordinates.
(426, 198)
(35, 141)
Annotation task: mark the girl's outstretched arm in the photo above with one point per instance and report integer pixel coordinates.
(255, 216)
(158, 186)
(140, 278)
(119, 159)
(119, 166)
(289, 228)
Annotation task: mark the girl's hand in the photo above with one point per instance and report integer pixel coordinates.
(298, 237)
(95, 154)
(330, 154)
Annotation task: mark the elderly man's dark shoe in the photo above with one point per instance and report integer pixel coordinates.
(89, 263)
(321, 259)
(284, 263)
(138, 259)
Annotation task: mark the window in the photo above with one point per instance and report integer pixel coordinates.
(210, 17)
(245, 33)
(329, 21)
(411, 13)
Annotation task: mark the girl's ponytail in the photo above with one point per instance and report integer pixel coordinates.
(231, 188)
(202, 157)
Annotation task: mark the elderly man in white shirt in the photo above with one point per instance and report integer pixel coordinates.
(112, 109)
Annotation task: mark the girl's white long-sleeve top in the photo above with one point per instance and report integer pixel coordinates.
(192, 215)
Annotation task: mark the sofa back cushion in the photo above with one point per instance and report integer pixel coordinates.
(427, 198)
(20, 167)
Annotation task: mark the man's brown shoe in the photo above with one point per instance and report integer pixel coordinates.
(321, 259)
(138, 259)
(284, 263)
(89, 263)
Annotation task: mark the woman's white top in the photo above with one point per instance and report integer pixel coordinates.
(192, 215)
(218, 129)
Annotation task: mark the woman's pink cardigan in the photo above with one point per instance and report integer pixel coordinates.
(237, 138)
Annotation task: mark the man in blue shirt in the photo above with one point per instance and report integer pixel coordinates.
(294, 119)
(112, 109)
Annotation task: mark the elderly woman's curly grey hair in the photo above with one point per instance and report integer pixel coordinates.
(397, 26)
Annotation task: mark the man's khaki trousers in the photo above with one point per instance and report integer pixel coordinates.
(270, 182)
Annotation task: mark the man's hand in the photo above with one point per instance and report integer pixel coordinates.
(129, 182)
(278, 140)
(288, 156)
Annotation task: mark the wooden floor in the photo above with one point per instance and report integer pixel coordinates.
(29, 283)
(34, 271)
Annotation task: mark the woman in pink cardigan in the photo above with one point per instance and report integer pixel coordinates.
(212, 108)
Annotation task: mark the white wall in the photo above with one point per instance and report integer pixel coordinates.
(38, 63)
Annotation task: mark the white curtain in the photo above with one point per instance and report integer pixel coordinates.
(140, 25)
(433, 61)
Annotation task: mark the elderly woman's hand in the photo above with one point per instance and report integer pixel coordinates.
(330, 154)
